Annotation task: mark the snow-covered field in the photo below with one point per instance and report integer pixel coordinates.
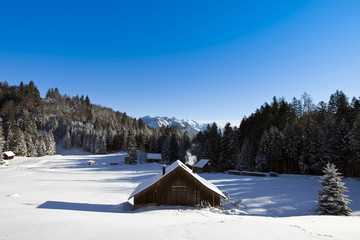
(62, 197)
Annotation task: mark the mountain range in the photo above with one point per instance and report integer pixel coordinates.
(191, 126)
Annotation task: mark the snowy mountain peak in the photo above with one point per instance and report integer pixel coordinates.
(191, 126)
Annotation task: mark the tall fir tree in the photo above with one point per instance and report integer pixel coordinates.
(261, 160)
(67, 141)
(355, 147)
(165, 151)
(31, 148)
(51, 148)
(132, 147)
(228, 146)
(174, 148)
(2, 140)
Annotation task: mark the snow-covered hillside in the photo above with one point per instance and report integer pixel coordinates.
(191, 126)
(62, 197)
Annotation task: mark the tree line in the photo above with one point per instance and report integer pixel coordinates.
(31, 126)
(297, 137)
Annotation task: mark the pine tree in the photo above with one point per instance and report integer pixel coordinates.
(41, 146)
(51, 148)
(67, 141)
(228, 148)
(132, 147)
(2, 141)
(342, 146)
(184, 146)
(245, 161)
(100, 144)
(174, 148)
(9, 141)
(31, 148)
(332, 200)
(153, 148)
(355, 147)
(261, 160)
(19, 144)
(290, 149)
(165, 152)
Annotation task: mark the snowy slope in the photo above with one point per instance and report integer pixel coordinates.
(62, 197)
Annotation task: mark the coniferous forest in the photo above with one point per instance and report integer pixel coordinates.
(31, 126)
(297, 137)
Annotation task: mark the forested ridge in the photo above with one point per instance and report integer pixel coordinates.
(31, 126)
(297, 137)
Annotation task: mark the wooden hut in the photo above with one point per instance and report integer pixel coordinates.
(204, 165)
(177, 185)
(153, 157)
(9, 155)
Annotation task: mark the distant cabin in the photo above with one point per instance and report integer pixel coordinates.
(204, 165)
(177, 185)
(9, 155)
(153, 157)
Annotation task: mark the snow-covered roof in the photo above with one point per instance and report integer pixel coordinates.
(201, 163)
(9, 154)
(154, 156)
(146, 184)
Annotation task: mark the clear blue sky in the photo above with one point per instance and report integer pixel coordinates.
(189, 59)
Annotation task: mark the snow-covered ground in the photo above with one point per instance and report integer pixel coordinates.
(62, 197)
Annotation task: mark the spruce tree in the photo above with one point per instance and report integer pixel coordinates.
(355, 147)
(41, 147)
(228, 148)
(2, 141)
(100, 144)
(261, 160)
(174, 148)
(132, 147)
(165, 152)
(31, 148)
(51, 148)
(332, 200)
(67, 141)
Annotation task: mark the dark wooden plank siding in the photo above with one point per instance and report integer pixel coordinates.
(176, 188)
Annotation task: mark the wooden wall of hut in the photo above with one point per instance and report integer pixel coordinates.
(177, 188)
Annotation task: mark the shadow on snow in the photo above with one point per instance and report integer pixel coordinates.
(88, 207)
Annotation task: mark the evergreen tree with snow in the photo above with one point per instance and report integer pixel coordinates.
(2, 140)
(332, 200)
(355, 147)
(51, 147)
(100, 144)
(132, 147)
(41, 146)
(67, 141)
(228, 146)
(261, 160)
(31, 148)
(174, 147)
(165, 151)
(19, 144)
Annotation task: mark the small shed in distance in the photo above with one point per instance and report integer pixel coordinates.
(153, 157)
(204, 165)
(9, 155)
(177, 185)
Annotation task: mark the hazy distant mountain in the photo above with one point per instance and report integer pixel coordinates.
(192, 127)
